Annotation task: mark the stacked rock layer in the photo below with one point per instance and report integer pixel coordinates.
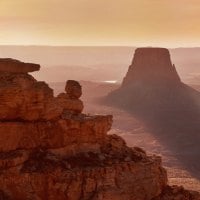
(50, 150)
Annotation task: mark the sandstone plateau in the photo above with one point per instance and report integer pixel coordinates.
(50, 150)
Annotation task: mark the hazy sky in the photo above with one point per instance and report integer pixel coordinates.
(100, 22)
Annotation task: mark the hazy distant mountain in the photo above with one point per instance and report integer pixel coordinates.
(96, 63)
(152, 84)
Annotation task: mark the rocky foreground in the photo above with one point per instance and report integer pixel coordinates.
(50, 150)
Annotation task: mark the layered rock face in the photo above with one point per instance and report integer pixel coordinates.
(23, 98)
(152, 83)
(49, 150)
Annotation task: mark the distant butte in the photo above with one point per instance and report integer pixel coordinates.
(151, 65)
(152, 83)
(15, 66)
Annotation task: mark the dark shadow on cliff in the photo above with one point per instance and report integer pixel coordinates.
(174, 122)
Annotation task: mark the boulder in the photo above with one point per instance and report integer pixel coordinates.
(73, 89)
(70, 104)
(70, 101)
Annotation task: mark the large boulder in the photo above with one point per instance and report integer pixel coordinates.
(70, 101)
(73, 89)
(70, 104)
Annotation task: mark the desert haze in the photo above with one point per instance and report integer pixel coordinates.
(96, 63)
(99, 100)
(50, 149)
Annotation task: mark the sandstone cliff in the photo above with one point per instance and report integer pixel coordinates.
(50, 150)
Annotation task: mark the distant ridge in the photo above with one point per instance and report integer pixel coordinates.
(110, 63)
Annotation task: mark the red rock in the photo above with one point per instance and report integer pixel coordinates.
(48, 150)
(23, 98)
(177, 193)
(16, 66)
(83, 177)
(70, 101)
(151, 65)
(73, 89)
(72, 132)
(73, 105)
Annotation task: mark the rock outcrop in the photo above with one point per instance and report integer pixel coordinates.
(152, 83)
(177, 193)
(151, 66)
(73, 89)
(24, 98)
(16, 66)
(51, 151)
(70, 100)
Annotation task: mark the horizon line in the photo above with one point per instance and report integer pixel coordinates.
(90, 46)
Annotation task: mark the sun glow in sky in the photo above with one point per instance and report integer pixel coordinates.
(100, 22)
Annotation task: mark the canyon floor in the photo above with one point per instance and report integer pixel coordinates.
(183, 166)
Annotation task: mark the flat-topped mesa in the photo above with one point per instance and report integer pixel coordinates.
(152, 83)
(15, 66)
(151, 66)
(70, 101)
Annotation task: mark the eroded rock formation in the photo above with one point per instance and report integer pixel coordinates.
(151, 66)
(24, 98)
(49, 150)
(70, 100)
(16, 66)
(152, 84)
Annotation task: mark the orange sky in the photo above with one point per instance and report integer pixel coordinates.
(100, 22)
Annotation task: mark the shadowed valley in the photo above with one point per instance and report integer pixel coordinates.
(153, 92)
